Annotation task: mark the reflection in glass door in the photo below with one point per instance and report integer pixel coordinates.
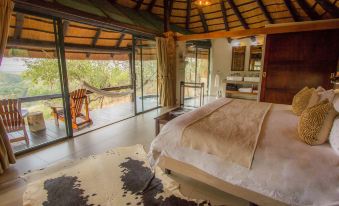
(196, 71)
(146, 82)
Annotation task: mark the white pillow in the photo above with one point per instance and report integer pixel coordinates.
(336, 100)
(319, 95)
(334, 135)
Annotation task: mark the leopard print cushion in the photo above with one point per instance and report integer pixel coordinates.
(316, 122)
(301, 100)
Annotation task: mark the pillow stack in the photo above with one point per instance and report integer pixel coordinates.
(317, 110)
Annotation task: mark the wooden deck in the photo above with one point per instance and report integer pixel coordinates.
(100, 117)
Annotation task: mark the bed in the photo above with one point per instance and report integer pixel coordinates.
(284, 171)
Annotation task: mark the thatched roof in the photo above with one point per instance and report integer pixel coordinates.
(118, 19)
(239, 14)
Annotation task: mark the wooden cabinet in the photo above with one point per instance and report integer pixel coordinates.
(295, 60)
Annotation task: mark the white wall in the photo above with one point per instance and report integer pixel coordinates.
(221, 58)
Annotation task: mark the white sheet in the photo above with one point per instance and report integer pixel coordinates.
(283, 168)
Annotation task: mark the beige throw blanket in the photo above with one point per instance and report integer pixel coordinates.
(231, 131)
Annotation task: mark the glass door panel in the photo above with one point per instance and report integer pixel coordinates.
(147, 96)
(196, 71)
(30, 74)
(103, 70)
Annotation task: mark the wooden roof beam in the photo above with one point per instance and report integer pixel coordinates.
(188, 14)
(330, 8)
(274, 29)
(264, 10)
(292, 10)
(203, 20)
(65, 26)
(308, 10)
(139, 3)
(224, 14)
(120, 40)
(18, 25)
(166, 16)
(238, 14)
(95, 40)
(170, 8)
(151, 5)
(46, 45)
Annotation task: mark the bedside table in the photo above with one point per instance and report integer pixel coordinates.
(168, 116)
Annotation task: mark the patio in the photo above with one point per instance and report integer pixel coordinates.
(100, 118)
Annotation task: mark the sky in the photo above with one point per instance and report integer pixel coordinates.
(13, 65)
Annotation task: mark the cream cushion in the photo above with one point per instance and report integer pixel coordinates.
(334, 135)
(301, 100)
(316, 122)
(321, 94)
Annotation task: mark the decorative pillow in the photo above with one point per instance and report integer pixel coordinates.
(301, 99)
(316, 122)
(321, 94)
(334, 135)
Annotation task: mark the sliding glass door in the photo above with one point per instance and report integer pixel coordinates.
(146, 82)
(196, 71)
(31, 74)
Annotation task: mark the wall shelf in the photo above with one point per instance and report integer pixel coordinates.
(239, 82)
(237, 92)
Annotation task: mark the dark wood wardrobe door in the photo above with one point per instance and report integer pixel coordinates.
(295, 60)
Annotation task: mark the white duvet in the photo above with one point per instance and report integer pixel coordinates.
(283, 168)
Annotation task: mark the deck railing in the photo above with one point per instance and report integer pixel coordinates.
(57, 96)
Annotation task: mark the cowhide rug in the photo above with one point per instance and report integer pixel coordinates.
(118, 177)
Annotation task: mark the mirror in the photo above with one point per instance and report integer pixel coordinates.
(238, 58)
(255, 58)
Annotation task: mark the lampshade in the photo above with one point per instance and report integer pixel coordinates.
(202, 3)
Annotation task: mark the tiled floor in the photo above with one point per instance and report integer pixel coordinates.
(136, 130)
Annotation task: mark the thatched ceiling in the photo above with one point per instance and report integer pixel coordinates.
(237, 14)
(124, 17)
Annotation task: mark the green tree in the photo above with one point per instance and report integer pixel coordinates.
(44, 75)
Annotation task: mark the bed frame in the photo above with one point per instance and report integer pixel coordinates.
(187, 170)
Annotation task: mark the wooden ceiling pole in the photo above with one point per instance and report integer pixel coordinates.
(139, 2)
(203, 20)
(238, 14)
(18, 25)
(264, 10)
(188, 14)
(151, 5)
(65, 26)
(95, 40)
(170, 8)
(330, 8)
(308, 10)
(292, 10)
(224, 14)
(166, 15)
(117, 45)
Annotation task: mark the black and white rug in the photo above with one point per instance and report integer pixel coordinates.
(118, 177)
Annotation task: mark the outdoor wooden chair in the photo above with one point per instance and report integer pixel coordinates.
(13, 121)
(78, 100)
